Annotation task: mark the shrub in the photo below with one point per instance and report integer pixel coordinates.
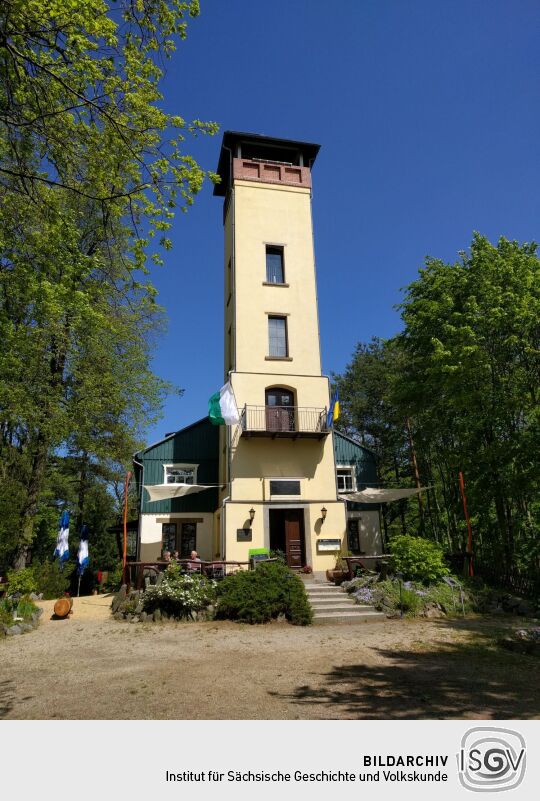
(26, 608)
(180, 594)
(23, 607)
(52, 578)
(21, 581)
(418, 559)
(6, 612)
(263, 594)
(114, 578)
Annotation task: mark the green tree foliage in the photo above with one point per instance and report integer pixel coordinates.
(458, 390)
(91, 172)
(80, 106)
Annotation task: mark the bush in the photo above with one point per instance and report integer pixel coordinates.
(114, 578)
(52, 578)
(260, 595)
(180, 594)
(23, 607)
(418, 559)
(21, 581)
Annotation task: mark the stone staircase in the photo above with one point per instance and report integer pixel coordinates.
(331, 604)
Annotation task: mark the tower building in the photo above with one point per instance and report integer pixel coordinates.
(277, 466)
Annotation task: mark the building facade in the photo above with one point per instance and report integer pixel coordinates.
(279, 488)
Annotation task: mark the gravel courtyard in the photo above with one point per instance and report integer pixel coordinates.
(91, 666)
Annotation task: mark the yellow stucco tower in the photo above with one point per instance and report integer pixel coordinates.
(278, 464)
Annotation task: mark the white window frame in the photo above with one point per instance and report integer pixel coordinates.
(286, 497)
(179, 466)
(352, 471)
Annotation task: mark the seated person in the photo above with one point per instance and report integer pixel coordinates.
(194, 565)
(166, 558)
(176, 556)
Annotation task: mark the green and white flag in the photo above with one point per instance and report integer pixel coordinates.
(222, 408)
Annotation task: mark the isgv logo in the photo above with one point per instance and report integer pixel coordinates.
(491, 759)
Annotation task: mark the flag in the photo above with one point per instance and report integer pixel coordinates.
(82, 556)
(62, 541)
(333, 412)
(222, 408)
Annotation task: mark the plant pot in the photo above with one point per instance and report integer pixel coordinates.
(337, 576)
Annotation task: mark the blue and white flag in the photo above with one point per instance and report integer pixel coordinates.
(62, 541)
(82, 556)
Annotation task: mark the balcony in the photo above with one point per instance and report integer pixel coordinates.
(283, 422)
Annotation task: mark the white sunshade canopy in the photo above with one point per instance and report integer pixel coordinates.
(162, 492)
(377, 495)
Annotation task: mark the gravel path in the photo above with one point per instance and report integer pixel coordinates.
(91, 666)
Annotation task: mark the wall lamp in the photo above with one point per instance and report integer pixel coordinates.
(251, 514)
(323, 513)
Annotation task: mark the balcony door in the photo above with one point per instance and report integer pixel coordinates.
(279, 410)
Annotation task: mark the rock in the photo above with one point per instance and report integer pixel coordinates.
(34, 597)
(134, 619)
(119, 598)
(434, 612)
(39, 612)
(13, 630)
(129, 616)
(210, 612)
(164, 616)
(157, 615)
(282, 618)
(143, 616)
(26, 627)
(139, 608)
(118, 616)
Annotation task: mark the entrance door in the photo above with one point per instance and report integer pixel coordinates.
(279, 410)
(294, 537)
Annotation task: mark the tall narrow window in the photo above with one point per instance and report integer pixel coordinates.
(274, 265)
(277, 337)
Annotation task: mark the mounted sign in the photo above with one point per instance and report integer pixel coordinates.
(243, 535)
(258, 555)
(328, 545)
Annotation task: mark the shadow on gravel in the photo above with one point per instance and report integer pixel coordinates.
(7, 697)
(472, 679)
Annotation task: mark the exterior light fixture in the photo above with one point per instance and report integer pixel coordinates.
(323, 513)
(251, 514)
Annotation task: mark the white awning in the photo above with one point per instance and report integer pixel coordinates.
(162, 492)
(377, 495)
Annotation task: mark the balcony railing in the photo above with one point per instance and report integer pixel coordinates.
(290, 422)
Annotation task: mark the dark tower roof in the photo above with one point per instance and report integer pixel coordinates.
(263, 148)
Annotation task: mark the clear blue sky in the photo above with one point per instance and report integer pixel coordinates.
(428, 117)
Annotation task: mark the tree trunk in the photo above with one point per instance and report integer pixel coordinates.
(35, 484)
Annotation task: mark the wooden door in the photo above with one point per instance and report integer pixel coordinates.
(294, 537)
(279, 410)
